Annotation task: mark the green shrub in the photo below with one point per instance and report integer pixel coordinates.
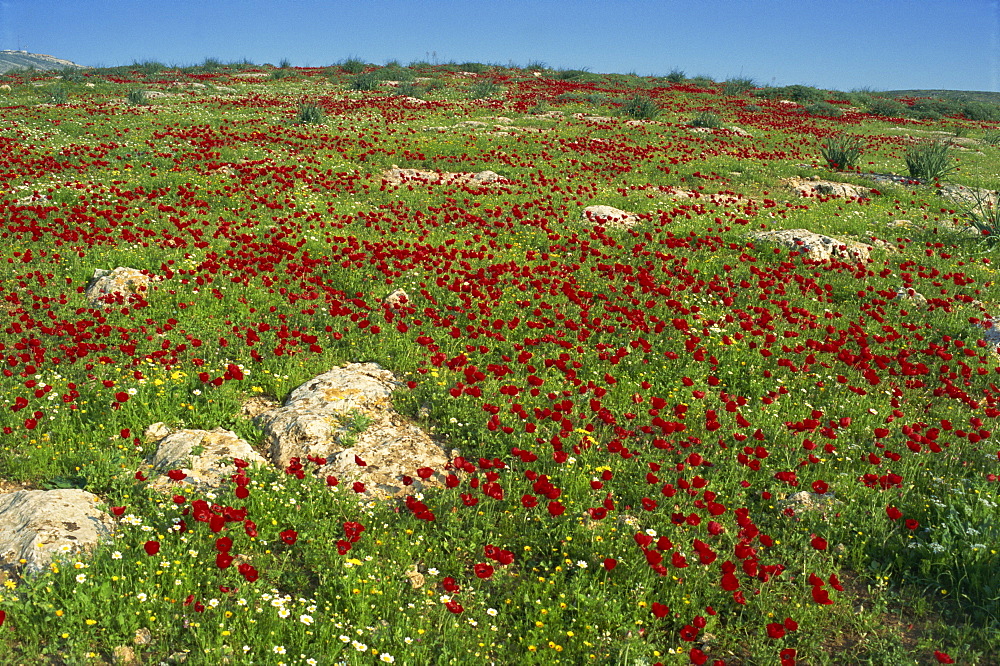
(980, 111)
(535, 65)
(56, 95)
(366, 81)
(738, 86)
(72, 75)
(992, 139)
(753, 108)
(279, 74)
(641, 107)
(285, 63)
(886, 107)
(148, 68)
(596, 99)
(393, 72)
(932, 109)
(474, 67)
(353, 66)
(567, 74)
(676, 76)
(929, 161)
(539, 108)
(309, 113)
(842, 152)
(137, 97)
(984, 215)
(706, 119)
(409, 89)
(702, 82)
(484, 89)
(824, 109)
(796, 93)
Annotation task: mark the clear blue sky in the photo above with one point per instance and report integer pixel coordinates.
(837, 44)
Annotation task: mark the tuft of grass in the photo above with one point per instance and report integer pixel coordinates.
(676, 76)
(56, 95)
(886, 107)
(641, 107)
(824, 109)
(309, 113)
(137, 97)
(366, 81)
(842, 152)
(706, 119)
(992, 138)
(929, 161)
(738, 86)
(984, 215)
(72, 75)
(353, 66)
(484, 89)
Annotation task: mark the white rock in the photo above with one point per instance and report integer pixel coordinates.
(817, 246)
(610, 217)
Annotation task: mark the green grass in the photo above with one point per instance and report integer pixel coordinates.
(930, 161)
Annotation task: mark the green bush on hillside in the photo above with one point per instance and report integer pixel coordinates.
(929, 161)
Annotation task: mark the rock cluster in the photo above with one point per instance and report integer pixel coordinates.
(816, 246)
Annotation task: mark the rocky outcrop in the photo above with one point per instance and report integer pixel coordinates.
(204, 457)
(828, 188)
(345, 416)
(817, 246)
(609, 217)
(35, 525)
(397, 176)
(122, 280)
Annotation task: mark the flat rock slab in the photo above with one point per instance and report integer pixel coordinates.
(829, 188)
(205, 456)
(347, 413)
(122, 280)
(35, 525)
(400, 176)
(610, 217)
(816, 246)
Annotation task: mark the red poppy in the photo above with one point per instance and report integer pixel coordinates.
(454, 607)
(821, 596)
(893, 512)
(610, 563)
(483, 570)
(688, 633)
(118, 510)
(289, 536)
(790, 624)
(223, 560)
(819, 543)
(942, 657)
(248, 572)
(359, 462)
(3, 617)
(224, 544)
(151, 547)
(659, 610)
(787, 657)
(177, 475)
(556, 509)
(332, 481)
(775, 630)
(529, 501)
(425, 472)
(358, 487)
(241, 492)
(820, 487)
(353, 530)
(450, 585)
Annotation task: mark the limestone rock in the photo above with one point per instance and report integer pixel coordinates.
(345, 414)
(205, 456)
(121, 280)
(37, 524)
(817, 246)
(398, 297)
(910, 295)
(397, 176)
(610, 217)
(816, 186)
(807, 501)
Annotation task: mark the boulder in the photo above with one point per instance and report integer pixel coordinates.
(815, 186)
(205, 456)
(807, 501)
(816, 246)
(397, 176)
(35, 525)
(122, 280)
(610, 217)
(398, 297)
(910, 295)
(346, 415)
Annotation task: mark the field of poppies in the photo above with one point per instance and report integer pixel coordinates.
(676, 442)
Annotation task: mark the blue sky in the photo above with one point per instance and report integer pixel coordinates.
(836, 44)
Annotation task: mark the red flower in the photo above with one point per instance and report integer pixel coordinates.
(820, 487)
(353, 530)
(775, 630)
(450, 585)
(425, 472)
(912, 524)
(893, 512)
(3, 617)
(358, 487)
(791, 624)
(942, 657)
(529, 501)
(359, 462)
(688, 633)
(121, 396)
(821, 596)
(151, 547)
(610, 563)
(223, 560)
(483, 570)
(248, 572)
(289, 536)
(659, 610)
(177, 475)
(332, 481)
(556, 509)
(224, 544)
(819, 543)
(787, 657)
(118, 510)
(241, 492)
(454, 607)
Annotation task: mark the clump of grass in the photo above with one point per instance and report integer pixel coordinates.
(279, 74)
(137, 97)
(842, 152)
(641, 107)
(706, 119)
(72, 75)
(366, 81)
(825, 109)
(484, 89)
(539, 108)
(410, 89)
(676, 76)
(984, 215)
(929, 161)
(567, 74)
(992, 139)
(738, 86)
(353, 66)
(309, 113)
(56, 95)
(887, 108)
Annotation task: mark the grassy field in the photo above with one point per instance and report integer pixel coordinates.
(633, 407)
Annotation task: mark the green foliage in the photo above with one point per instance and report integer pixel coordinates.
(676, 76)
(980, 111)
(641, 107)
(393, 72)
(57, 95)
(285, 63)
(148, 68)
(309, 113)
(484, 89)
(366, 81)
(933, 109)
(72, 75)
(929, 161)
(409, 89)
(842, 152)
(353, 66)
(825, 109)
(795, 93)
(984, 215)
(992, 138)
(886, 107)
(278, 74)
(701, 81)
(569, 74)
(137, 97)
(738, 86)
(595, 99)
(474, 67)
(706, 119)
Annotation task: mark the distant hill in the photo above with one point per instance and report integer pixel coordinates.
(957, 95)
(23, 60)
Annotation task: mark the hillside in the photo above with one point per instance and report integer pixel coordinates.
(956, 95)
(13, 60)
